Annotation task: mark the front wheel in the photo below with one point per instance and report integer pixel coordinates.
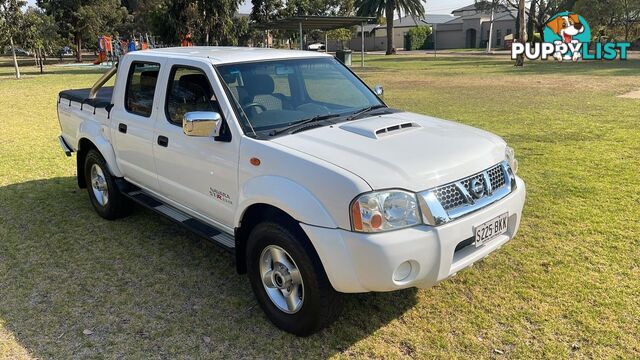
(289, 281)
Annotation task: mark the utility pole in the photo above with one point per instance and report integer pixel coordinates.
(435, 40)
(490, 28)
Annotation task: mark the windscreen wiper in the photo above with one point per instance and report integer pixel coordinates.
(364, 111)
(300, 124)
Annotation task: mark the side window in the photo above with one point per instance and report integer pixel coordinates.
(188, 90)
(141, 86)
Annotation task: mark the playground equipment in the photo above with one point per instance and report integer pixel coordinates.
(105, 50)
(110, 49)
(186, 40)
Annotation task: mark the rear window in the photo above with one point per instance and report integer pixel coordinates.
(141, 87)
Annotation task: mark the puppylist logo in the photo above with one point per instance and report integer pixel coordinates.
(568, 37)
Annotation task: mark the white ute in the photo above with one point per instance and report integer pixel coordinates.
(289, 161)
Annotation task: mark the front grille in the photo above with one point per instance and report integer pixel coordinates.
(450, 196)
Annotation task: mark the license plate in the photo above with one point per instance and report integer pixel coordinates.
(490, 229)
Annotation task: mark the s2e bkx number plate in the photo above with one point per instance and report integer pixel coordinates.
(490, 229)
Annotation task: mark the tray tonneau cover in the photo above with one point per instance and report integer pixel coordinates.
(102, 99)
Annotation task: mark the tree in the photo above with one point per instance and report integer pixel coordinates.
(521, 36)
(84, 19)
(208, 22)
(540, 11)
(376, 8)
(264, 11)
(10, 20)
(39, 33)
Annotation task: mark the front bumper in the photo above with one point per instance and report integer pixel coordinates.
(356, 262)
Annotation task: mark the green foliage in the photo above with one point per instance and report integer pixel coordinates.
(84, 20)
(10, 18)
(378, 8)
(417, 37)
(610, 17)
(208, 22)
(39, 31)
(265, 10)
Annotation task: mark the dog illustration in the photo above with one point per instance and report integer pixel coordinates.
(566, 27)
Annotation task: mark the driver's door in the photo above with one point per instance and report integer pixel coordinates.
(198, 173)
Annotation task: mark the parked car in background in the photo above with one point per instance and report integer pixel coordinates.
(19, 52)
(290, 162)
(316, 47)
(65, 51)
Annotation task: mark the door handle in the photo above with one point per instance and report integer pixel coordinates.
(163, 141)
(122, 128)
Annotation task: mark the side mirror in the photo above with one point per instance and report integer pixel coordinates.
(202, 123)
(378, 90)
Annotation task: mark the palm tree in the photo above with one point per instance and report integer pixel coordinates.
(414, 8)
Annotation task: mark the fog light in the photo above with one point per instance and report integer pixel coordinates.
(402, 272)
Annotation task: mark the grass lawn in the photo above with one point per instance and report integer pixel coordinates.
(75, 286)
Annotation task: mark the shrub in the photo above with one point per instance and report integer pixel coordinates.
(417, 37)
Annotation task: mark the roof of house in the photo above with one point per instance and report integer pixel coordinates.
(500, 8)
(407, 21)
(468, 7)
(437, 18)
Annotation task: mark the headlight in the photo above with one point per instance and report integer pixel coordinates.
(384, 210)
(510, 156)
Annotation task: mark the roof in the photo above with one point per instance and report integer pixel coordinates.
(224, 54)
(316, 22)
(437, 18)
(468, 7)
(407, 21)
(500, 7)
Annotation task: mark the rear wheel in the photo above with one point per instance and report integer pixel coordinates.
(288, 279)
(103, 191)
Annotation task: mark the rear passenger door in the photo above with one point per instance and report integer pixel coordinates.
(132, 120)
(199, 173)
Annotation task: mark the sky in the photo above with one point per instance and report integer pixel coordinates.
(432, 7)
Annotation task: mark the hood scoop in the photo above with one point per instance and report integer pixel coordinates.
(379, 128)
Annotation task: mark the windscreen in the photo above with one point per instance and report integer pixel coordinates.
(275, 94)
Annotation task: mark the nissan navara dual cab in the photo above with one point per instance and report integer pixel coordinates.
(289, 161)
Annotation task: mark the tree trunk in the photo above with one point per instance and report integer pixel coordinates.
(530, 21)
(540, 30)
(522, 35)
(390, 7)
(627, 30)
(78, 47)
(15, 60)
(40, 60)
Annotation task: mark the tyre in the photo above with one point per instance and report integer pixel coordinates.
(103, 192)
(288, 279)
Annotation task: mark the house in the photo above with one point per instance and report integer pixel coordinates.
(466, 27)
(375, 35)
(470, 28)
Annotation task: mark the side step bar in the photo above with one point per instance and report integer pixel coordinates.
(209, 232)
